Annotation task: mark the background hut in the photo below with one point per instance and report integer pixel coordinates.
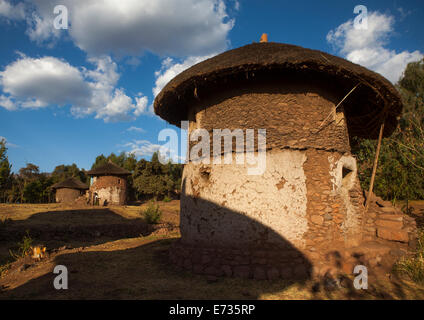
(69, 190)
(108, 184)
(308, 202)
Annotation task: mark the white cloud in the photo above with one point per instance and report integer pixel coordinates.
(170, 69)
(11, 11)
(141, 106)
(368, 47)
(144, 148)
(136, 129)
(7, 103)
(41, 82)
(117, 109)
(48, 80)
(130, 27)
(141, 148)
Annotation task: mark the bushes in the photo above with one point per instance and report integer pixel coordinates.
(152, 214)
(400, 169)
(24, 247)
(413, 267)
(166, 199)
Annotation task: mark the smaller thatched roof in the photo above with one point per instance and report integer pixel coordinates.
(108, 169)
(70, 183)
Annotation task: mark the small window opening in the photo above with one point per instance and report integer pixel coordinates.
(205, 173)
(346, 177)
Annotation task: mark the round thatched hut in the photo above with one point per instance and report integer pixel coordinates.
(69, 190)
(308, 202)
(108, 185)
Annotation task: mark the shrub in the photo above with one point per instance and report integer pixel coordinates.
(413, 267)
(24, 247)
(166, 199)
(152, 214)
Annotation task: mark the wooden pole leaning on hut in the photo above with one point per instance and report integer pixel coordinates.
(374, 168)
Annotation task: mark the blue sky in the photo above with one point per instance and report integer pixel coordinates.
(67, 96)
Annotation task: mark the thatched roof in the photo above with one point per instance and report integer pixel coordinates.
(108, 169)
(374, 99)
(70, 183)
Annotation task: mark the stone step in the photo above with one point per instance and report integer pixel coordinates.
(393, 234)
(389, 209)
(391, 224)
(394, 217)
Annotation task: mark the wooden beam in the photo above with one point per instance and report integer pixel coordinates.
(374, 168)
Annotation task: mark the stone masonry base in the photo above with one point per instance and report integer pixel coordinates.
(241, 263)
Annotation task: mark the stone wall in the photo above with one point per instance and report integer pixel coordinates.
(110, 189)
(66, 195)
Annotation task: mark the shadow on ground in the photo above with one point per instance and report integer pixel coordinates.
(118, 270)
(81, 225)
(143, 272)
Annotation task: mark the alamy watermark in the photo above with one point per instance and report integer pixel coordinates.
(361, 280)
(61, 20)
(199, 150)
(361, 20)
(60, 282)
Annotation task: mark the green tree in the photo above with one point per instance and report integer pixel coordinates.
(5, 168)
(63, 172)
(400, 172)
(32, 186)
(153, 179)
(100, 160)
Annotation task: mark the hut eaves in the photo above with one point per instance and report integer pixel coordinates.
(70, 183)
(374, 100)
(108, 169)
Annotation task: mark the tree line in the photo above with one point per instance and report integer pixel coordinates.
(399, 176)
(148, 179)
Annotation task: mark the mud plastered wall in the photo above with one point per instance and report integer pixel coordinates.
(110, 188)
(302, 197)
(66, 195)
(276, 199)
(309, 194)
(294, 116)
